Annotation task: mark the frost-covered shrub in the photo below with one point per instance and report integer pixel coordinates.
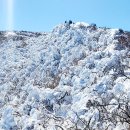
(63, 97)
(91, 65)
(115, 65)
(119, 47)
(23, 96)
(48, 105)
(92, 27)
(27, 108)
(53, 83)
(29, 127)
(8, 122)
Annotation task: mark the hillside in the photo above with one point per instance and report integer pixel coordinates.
(76, 77)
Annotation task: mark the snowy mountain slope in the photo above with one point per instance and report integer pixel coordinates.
(75, 77)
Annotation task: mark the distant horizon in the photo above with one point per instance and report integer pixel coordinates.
(43, 16)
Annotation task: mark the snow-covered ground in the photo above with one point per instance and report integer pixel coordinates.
(51, 81)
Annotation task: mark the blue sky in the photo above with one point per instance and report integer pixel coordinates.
(43, 15)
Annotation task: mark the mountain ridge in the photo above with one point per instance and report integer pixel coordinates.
(75, 77)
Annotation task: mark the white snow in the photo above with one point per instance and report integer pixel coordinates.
(10, 34)
(46, 79)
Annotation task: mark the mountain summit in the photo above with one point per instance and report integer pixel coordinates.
(76, 77)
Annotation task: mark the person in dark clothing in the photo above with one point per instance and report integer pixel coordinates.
(121, 31)
(70, 22)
